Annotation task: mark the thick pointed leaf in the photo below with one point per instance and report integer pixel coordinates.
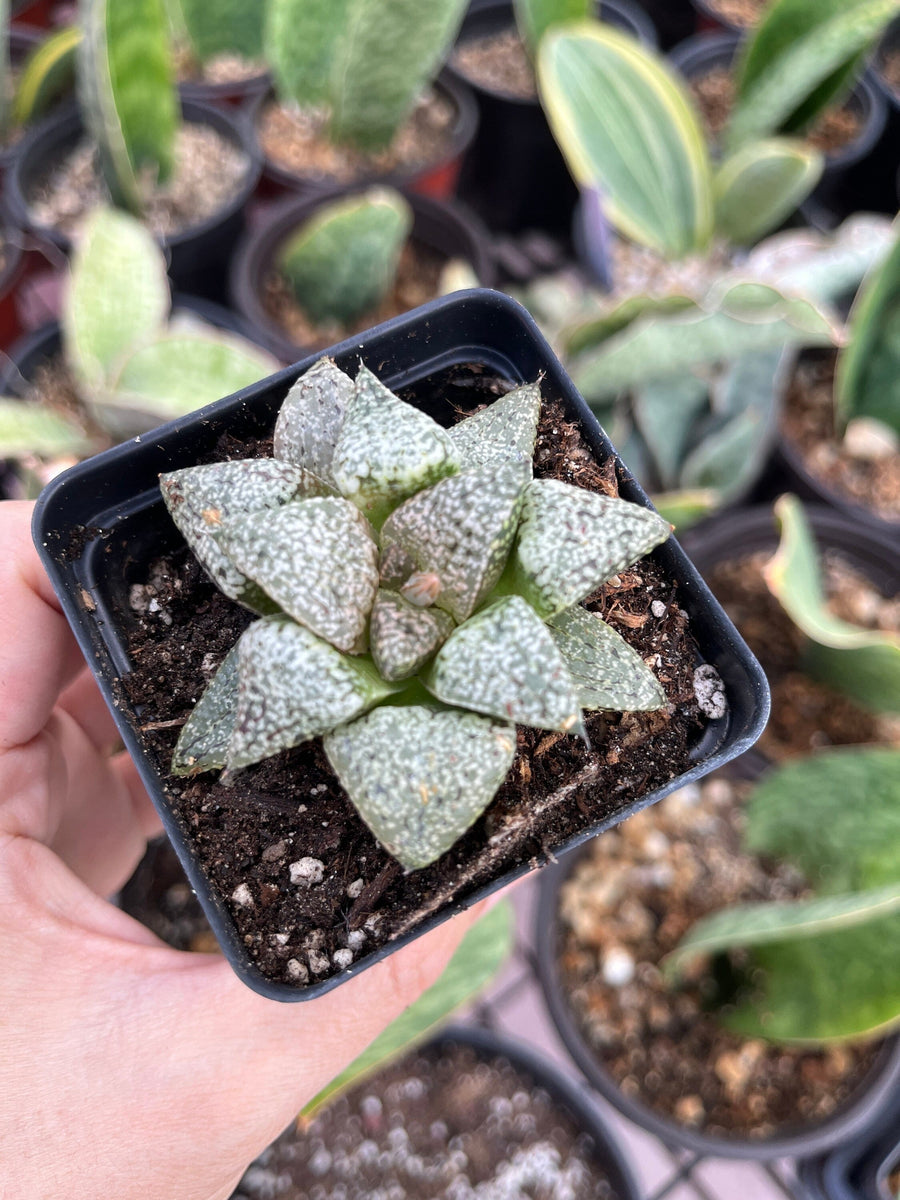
(757, 188)
(342, 262)
(34, 429)
(292, 686)
(572, 540)
(387, 450)
(862, 663)
(116, 299)
(310, 419)
(665, 411)
(505, 663)
(836, 815)
(419, 778)
(226, 27)
(315, 558)
(461, 530)
(201, 498)
(606, 671)
(404, 637)
(203, 743)
(625, 125)
(299, 40)
(48, 74)
(505, 429)
(479, 956)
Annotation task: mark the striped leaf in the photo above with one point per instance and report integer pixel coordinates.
(761, 184)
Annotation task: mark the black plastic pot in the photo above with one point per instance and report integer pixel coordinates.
(852, 178)
(227, 95)
(437, 178)
(514, 175)
(98, 525)
(438, 225)
(708, 19)
(858, 1171)
(842, 1127)
(198, 256)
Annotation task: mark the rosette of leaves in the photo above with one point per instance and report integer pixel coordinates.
(419, 595)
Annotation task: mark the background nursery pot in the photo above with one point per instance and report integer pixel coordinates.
(198, 255)
(439, 226)
(846, 1123)
(100, 526)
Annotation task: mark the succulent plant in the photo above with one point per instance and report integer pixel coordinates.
(226, 27)
(418, 593)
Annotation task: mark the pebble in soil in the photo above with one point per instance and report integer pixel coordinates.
(444, 1123)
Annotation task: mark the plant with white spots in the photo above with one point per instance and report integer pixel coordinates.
(419, 594)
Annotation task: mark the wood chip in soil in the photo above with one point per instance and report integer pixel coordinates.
(209, 172)
(808, 423)
(445, 1122)
(296, 141)
(498, 62)
(417, 281)
(629, 901)
(291, 806)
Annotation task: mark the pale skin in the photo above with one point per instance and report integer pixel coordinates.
(128, 1069)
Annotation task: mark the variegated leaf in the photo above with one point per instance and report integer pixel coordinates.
(292, 686)
(461, 530)
(572, 540)
(505, 429)
(203, 743)
(311, 417)
(607, 672)
(504, 662)
(420, 777)
(388, 450)
(403, 636)
(316, 559)
(202, 498)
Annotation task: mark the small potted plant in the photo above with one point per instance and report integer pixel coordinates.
(219, 50)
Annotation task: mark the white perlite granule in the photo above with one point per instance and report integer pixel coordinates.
(242, 896)
(709, 691)
(307, 871)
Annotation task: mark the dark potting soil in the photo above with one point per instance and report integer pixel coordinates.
(296, 140)
(417, 282)
(743, 13)
(497, 62)
(889, 69)
(893, 1183)
(808, 423)
(442, 1122)
(629, 901)
(247, 835)
(806, 715)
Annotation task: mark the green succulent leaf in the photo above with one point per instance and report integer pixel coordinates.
(315, 558)
(535, 17)
(48, 74)
(507, 428)
(685, 508)
(810, 813)
(404, 637)
(310, 419)
(461, 530)
(571, 541)
(607, 672)
(480, 955)
(203, 742)
(862, 663)
(35, 429)
(867, 378)
(666, 411)
(625, 125)
(293, 686)
(107, 313)
(226, 27)
(504, 662)
(419, 777)
(300, 41)
(200, 499)
(342, 262)
(388, 450)
(587, 333)
(758, 187)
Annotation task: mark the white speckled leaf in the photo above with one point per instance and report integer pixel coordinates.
(316, 559)
(311, 417)
(572, 540)
(504, 662)
(461, 529)
(404, 637)
(505, 429)
(607, 672)
(420, 777)
(387, 450)
(203, 742)
(201, 499)
(293, 686)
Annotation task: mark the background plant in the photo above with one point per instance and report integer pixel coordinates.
(233, 27)
(47, 73)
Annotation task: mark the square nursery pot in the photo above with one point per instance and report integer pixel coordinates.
(100, 525)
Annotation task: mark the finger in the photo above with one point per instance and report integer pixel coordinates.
(84, 702)
(38, 654)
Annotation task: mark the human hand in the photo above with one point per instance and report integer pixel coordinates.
(128, 1069)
